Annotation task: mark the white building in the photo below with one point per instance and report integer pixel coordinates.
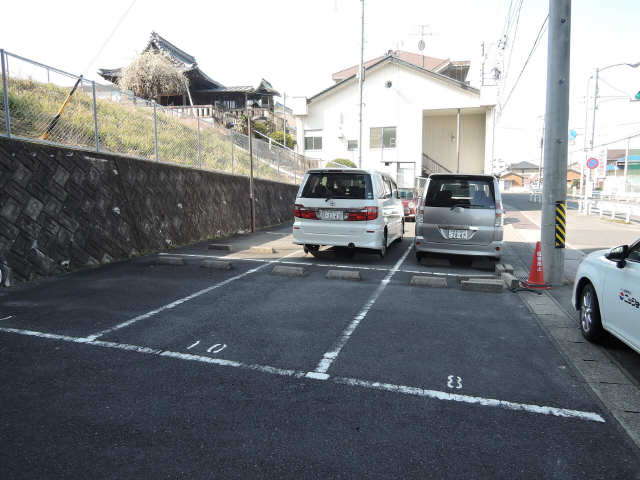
(412, 118)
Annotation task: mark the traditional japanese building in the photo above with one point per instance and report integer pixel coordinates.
(203, 90)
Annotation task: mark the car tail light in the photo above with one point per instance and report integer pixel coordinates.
(499, 218)
(367, 213)
(300, 212)
(420, 216)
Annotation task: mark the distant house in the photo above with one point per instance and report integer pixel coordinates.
(510, 180)
(419, 116)
(203, 90)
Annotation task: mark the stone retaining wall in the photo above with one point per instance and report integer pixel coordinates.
(63, 209)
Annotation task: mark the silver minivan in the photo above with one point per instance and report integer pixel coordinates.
(460, 214)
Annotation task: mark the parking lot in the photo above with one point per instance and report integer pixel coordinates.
(174, 366)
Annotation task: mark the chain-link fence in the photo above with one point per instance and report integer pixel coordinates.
(35, 104)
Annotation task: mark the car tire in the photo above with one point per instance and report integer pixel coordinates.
(419, 256)
(383, 251)
(590, 320)
(312, 249)
(401, 237)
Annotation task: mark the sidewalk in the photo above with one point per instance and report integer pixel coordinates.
(611, 369)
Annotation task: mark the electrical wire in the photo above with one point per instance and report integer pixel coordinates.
(535, 44)
(512, 43)
(124, 15)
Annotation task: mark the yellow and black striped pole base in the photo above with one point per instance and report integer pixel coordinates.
(561, 224)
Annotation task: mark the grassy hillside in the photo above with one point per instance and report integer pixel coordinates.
(124, 127)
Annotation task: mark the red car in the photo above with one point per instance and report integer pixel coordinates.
(409, 199)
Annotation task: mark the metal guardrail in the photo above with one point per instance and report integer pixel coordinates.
(104, 118)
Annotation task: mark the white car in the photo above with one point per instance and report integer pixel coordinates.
(347, 207)
(607, 293)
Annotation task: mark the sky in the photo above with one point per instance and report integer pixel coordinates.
(297, 44)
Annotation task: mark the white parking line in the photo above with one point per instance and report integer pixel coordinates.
(329, 357)
(334, 265)
(180, 301)
(6, 318)
(353, 382)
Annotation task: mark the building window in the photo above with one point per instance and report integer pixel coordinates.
(352, 144)
(312, 143)
(382, 137)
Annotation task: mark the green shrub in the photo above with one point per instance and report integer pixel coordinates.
(277, 136)
(341, 162)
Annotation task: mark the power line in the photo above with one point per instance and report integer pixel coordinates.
(535, 44)
(608, 143)
(124, 15)
(513, 42)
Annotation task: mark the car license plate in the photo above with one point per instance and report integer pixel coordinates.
(331, 215)
(458, 234)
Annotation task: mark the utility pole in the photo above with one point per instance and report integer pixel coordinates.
(554, 191)
(284, 119)
(360, 84)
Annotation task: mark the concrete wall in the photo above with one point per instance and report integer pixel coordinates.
(439, 142)
(64, 209)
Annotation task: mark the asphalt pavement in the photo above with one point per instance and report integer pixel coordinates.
(155, 370)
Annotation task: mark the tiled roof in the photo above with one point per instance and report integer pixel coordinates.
(523, 166)
(430, 63)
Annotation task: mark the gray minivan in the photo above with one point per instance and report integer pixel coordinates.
(460, 214)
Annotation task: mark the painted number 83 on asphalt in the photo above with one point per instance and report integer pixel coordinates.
(454, 381)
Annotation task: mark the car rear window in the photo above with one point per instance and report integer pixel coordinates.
(460, 192)
(338, 185)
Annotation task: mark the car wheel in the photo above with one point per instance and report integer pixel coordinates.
(312, 249)
(590, 322)
(383, 251)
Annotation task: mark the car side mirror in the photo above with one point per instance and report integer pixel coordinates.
(618, 255)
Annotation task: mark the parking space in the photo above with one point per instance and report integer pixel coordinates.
(304, 364)
(261, 318)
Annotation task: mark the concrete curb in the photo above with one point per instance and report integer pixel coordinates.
(619, 394)
(424, 281)
(262, 250)
(216, 264)
(285, 271)
(220, 246)
(167, 260)
(510, 281)
(482, 285)
(344, 275)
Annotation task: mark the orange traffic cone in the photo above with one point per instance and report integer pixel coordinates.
(536, 274)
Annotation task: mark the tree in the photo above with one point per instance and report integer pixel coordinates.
(152, 75)
(341, 163)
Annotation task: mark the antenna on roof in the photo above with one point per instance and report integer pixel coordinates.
(421, 43)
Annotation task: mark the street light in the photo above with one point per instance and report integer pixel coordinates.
(595, 96)
(595, 106)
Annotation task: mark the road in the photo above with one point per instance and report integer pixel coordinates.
(152, 370)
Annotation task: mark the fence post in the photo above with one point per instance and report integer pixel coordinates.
(232, 153)
(155, 128)
(95, 115)
(5, 92)
(199, 147)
